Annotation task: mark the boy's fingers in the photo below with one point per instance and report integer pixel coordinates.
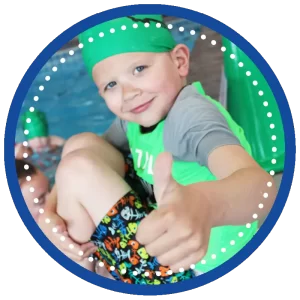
(151, 228)
(163, 244)
(73, 257)
(88, 249)
(67, 245)
(89, 252)
(87, 246)
(60, 238)
(78, 252)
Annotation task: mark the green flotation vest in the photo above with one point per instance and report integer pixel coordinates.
(146, 147)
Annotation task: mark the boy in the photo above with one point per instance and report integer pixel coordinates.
(199, 199)
(34, 200)
(38, 132)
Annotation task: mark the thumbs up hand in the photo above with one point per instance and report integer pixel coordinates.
(177, 232)
(164, 183)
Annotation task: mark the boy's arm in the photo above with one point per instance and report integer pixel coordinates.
(203, 136)
(244, 192)
(51, 202)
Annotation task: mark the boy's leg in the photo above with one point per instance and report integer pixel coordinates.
(97, 145)
(74, 155)
(96, 202)
(87, 187)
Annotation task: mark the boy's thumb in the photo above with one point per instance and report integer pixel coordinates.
(162, 176)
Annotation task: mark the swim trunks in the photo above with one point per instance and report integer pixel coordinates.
(123, 256)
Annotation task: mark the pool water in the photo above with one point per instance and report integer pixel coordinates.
(70, 98)
(47, 163)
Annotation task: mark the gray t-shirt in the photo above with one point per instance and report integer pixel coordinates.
(194, 127)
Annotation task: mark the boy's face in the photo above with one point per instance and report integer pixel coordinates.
(40, 184)
(21, 149)
(142, 87)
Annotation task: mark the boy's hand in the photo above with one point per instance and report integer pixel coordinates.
(56, 237)
(177, 233)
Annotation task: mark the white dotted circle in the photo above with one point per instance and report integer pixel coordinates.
(223, 49)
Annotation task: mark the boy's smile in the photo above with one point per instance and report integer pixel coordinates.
(142, 87)
(142, 108)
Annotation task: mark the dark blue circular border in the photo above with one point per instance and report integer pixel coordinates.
(195, 17)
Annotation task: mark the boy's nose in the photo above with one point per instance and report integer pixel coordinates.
(130, 92)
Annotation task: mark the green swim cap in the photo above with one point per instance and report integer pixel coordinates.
(38, 126)
(138, 33)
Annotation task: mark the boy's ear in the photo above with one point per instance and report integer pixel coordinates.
(181, 57)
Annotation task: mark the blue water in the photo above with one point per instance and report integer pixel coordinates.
(70, 98)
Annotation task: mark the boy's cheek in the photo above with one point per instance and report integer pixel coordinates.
(113, 109)
(114, 105)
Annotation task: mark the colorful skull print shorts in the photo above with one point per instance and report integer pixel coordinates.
(121, 254)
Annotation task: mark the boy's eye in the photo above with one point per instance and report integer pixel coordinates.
(139, 69)
(110, 85)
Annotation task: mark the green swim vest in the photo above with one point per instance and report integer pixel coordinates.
(146, 147)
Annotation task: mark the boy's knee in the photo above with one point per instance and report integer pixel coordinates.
(74, 164)
(81, 141)
(87, 146)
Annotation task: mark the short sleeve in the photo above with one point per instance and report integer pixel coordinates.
(194, 128)
(116, 135)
